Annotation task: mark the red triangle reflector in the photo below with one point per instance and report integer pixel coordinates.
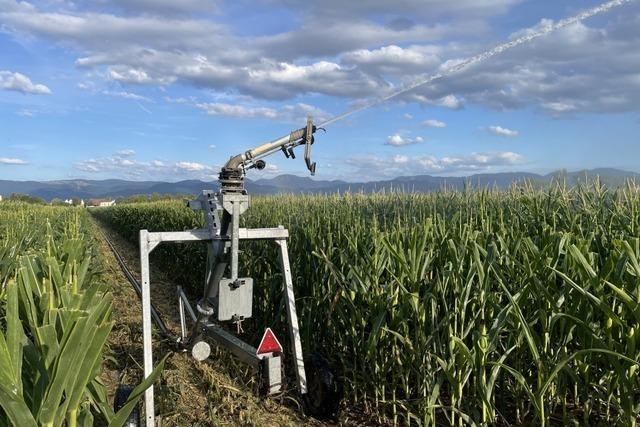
(269, 343)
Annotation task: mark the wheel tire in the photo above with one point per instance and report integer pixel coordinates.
(122, 394)
(322, 400)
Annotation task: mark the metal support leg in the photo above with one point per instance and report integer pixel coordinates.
(235, 240)
(146, 325)
(183, 322)
(292, 316)
(186, 304)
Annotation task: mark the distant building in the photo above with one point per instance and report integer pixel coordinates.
(0, 197)
(74, 202)
(101, 202)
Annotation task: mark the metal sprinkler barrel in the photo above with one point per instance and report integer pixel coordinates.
(231, 177)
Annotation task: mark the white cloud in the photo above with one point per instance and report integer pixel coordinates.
(12, 161)
(395, 60)
(125, 153)
(284, 80)
(399, 159)
(450, 101)
(91, 29)
(329, 37)
(501, 131)
(236, 111)
(191, 166)
(398, 140)
(371, 167)
(112, 163)
(181, 100)
(564, 73)
(126, 95)
(26, 112)
(129, 75)
(123, 164)
(256, 75)
(19, 82)
(353, 50)
(408, 116)
(212, 146)
(482, 160)
(289, 113)
(432, 123)
(559, 107)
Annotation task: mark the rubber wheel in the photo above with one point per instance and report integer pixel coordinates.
(122, 394)
(324, 393)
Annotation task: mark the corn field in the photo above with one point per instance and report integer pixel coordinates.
(461, 308)
(54, 321)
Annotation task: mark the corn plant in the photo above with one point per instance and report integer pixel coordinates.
(55, 321)
(475, 307)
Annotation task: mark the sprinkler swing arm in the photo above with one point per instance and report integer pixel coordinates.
(227, 297)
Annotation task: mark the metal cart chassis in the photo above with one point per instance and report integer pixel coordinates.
(245, 352)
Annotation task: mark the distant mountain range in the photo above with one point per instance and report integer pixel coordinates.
(116, 188)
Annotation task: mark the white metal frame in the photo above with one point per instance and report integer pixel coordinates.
(149, 241)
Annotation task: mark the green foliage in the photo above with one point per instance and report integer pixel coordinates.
(25, 198)
(155, 197)
(474, 307)
(55, 320)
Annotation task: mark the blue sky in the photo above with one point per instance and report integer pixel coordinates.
(168, 90)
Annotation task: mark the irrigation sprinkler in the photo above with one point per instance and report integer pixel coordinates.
(227, 296)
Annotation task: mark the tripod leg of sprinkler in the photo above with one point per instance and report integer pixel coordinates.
(292, 316)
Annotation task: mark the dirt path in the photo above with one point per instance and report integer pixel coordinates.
(217, 392)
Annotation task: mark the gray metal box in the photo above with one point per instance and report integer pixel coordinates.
(235, 298)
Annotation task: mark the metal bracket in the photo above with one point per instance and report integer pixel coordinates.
(308, 140)
(208, 202)
(235, 298)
